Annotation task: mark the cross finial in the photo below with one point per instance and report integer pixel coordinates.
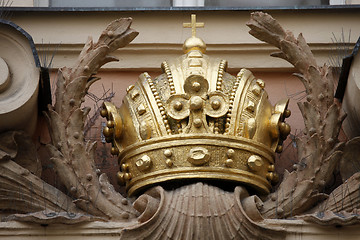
(193, 25)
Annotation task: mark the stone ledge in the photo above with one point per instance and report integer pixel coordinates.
(296, 229)
(141, 57)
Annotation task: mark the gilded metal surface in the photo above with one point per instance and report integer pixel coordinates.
(194, 43)
(196, 121)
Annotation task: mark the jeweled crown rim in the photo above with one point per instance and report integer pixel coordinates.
(139, 184)
(180, 139)
(158, 160)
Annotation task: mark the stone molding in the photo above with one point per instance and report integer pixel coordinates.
(139, 57)
(295, 229)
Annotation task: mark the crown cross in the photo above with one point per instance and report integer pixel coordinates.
(193, 25)
(196, 104)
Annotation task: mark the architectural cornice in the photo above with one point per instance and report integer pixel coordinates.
(148, 57)
(112, 230)
(161, 34)
(349, 7)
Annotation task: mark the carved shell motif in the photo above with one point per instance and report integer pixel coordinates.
(199, 211)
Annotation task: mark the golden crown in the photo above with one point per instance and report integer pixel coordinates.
(196, 122)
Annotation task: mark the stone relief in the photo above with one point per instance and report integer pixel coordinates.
(184, 110)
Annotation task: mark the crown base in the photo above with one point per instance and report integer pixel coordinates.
(196, 156)
(138, 185)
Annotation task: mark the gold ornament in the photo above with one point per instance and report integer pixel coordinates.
(196, 121)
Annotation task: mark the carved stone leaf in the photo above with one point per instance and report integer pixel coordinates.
(24, 192)
(18, 147)
(278, 55)
(266, 29)
(113, 196)
(73, 157)
(118, 27)
(328, 88)
(94, 60)
(311, 117)
(89, 44)
(343, 198)
(8, 148)
(316, 153)
(75, 126)
(281, 205)
(91, 149)
(73, 95)
(321, 91)
(54, 151)
(270, 208)
(107, 59)
(329, 164)
(119, 34)
(306, 50)
(303, 192)
(68, 177)
(304, 81)
(331, 126)
(58, 134)
(309, 158)
(84, 169)
(350, 161)
(60, 90)
(294, 52)
(100, 201)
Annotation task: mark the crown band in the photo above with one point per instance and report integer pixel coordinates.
(196, 156)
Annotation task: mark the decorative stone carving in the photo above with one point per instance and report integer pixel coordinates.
(20, 189)
(73, 158)
(197, 210)
(19, 79)
(200, 211)
(319, 148)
